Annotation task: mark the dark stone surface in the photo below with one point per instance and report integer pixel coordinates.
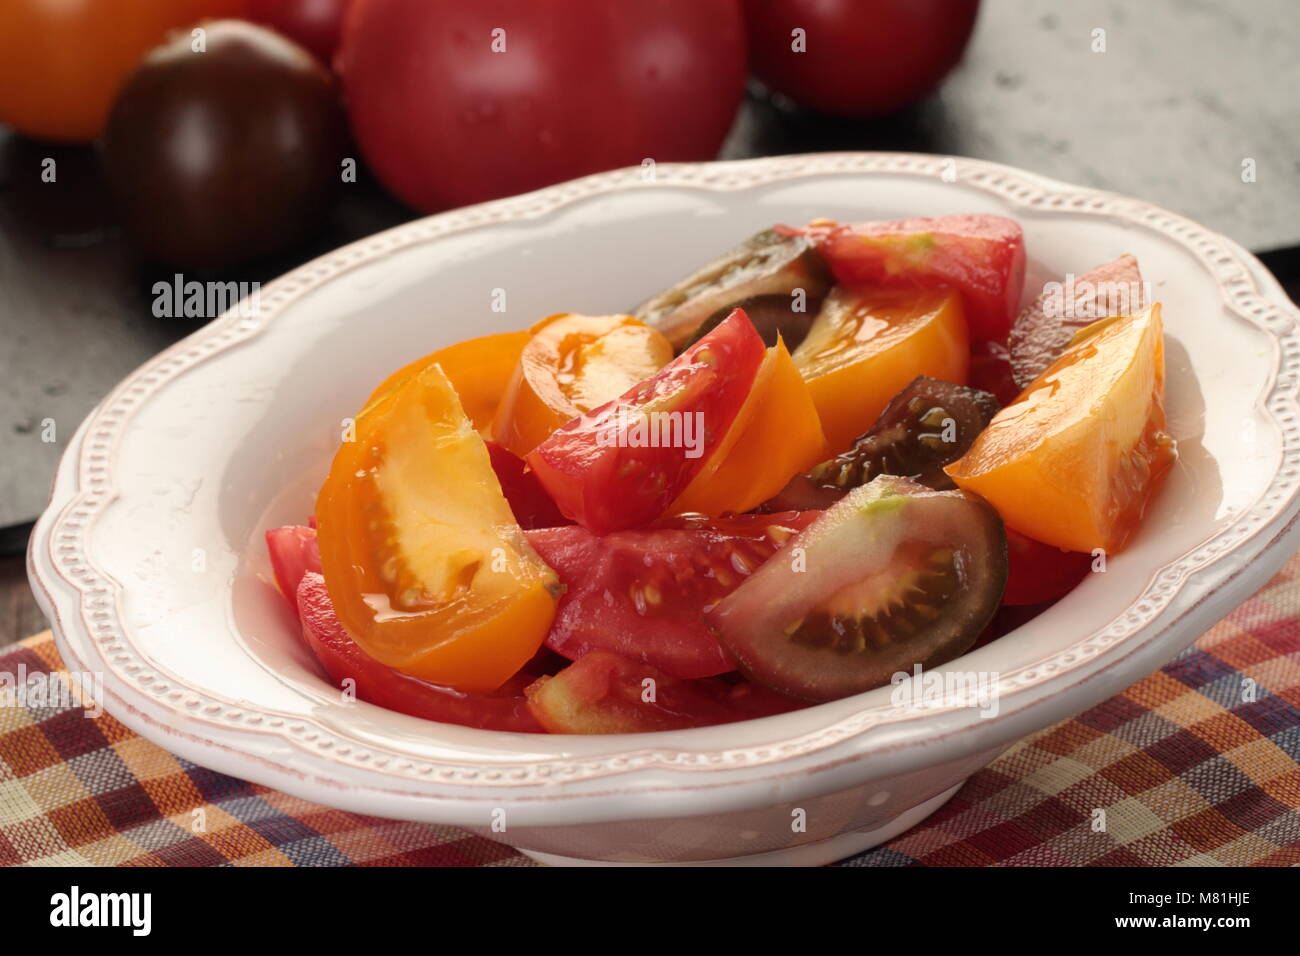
(1185, 91)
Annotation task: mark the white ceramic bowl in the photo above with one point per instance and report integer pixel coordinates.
(149, 559)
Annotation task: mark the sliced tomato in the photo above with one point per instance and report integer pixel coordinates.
(776, 435)
(1076, 460)
(377, 684)
(1038, 572)
(294, 551)
(607, 693)
(990, 371)
(643, 594)
(572, 364)
(892, 575)
(531, 505)
(1044, 329)
(621, 465)
(478, 369)
(982, 257)
(427, 568)
(866, 344)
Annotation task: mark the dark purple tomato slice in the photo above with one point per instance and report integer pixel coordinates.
(927, 425)
(895, 574)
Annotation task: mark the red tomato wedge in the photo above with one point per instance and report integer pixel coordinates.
(1038, 572)
(621, 465)
(982, 257)
(606, 693)
(377, 684)
(643, 594)
(294, 551)
(528, 500)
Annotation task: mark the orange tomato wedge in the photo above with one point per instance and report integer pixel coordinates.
(1076, 459)
(479, 370)
(866, 344)
(423, 560)
(570, 365)
(776, 434)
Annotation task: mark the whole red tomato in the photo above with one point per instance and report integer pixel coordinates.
(455, 102)
(856, 57)
(314, 24)
(62, 62)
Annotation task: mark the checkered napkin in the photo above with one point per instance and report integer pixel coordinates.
(1183, 768)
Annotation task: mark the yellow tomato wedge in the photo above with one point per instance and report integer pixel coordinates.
(422, 557)
(570, 365)
(866, 344)
(776, 434)
(479, 370)
(1075, 460)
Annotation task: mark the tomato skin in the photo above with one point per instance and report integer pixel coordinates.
(61, 63)
(528, 500)
(479, 369)
(863, 57)
(227, 155)
(982, 257)
(377, 684)
(582, 86)
(1038, 572)
(314, 24)
(425, 564)
(605, 693)
(294, 551)
(643, 594)
(602, 474)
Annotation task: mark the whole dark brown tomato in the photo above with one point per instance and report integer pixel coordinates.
(226, 154)
(454, 102)
(856, 57)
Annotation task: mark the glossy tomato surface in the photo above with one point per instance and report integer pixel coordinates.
(228, 154)
(63, 61)
(455, 102)
(643, 594)
(607, 693)
(1038, 572)
(315, 24)
(294, 551)
(858, 57)
(374, 683)
(623, 464)
(981, 257)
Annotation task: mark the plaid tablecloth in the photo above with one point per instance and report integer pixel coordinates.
(1196, 765)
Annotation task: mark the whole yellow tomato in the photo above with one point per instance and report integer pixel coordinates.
(62, 61)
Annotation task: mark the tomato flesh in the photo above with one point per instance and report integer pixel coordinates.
(528, 500)
(982, 257)
(294, 551)
(1077, 458)
(643, 594)
(867, 344)
(623, 464)
(572, 364)
(479, 370)
(607, 693)
(427, 568)
(776, 434)
(377, 684)
(1037, 572)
